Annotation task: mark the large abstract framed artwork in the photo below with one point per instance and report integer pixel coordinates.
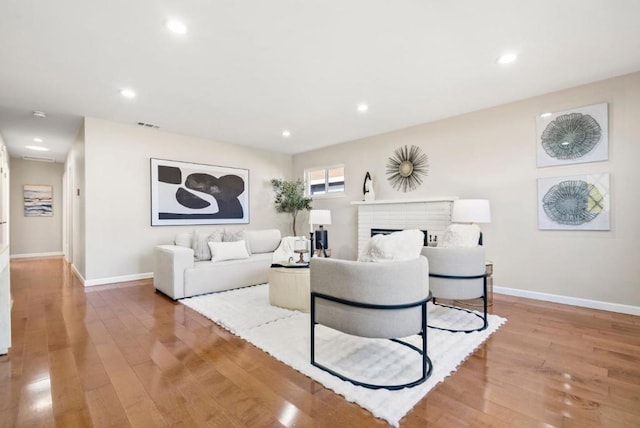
(573, 136)
(184, 193)
(579, 202)
(38, 200)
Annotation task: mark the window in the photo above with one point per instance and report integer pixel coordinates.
(325, 181)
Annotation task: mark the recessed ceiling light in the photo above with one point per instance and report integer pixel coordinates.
(37, 140)
(128, 93)
(38, 148)
(39, 114)
(507, 58)
(545, 115)
(286, 133)
(176, 26)
(362, 107)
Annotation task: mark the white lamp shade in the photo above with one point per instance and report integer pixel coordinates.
(471, 211)
(320, 217)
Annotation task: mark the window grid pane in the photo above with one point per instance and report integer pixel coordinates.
(327, 180)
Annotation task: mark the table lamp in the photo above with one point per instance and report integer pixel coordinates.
(471, 211)
(319, 217)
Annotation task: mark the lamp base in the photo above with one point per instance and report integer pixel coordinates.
(325, 252)
(322, 239)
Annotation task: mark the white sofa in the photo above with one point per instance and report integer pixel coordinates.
(177, 274)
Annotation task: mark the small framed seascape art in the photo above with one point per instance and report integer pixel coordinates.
(578, 202)
(573, 136)
(184, 193)
(38, 200)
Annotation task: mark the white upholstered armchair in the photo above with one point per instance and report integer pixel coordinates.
(376, 300)
(458, 274)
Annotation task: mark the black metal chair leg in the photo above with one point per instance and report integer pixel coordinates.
(427, 365)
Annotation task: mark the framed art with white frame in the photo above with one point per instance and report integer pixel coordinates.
(38, 200)
(184, 193)
(578, 202)
(573, 136)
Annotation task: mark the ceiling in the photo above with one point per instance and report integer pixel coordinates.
(247, 70)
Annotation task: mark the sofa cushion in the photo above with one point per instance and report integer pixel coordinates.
(398, 246)
(263, 241)
(183, 239)
(228, 250)
(206, 277)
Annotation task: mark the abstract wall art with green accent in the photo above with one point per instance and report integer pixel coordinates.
(574, 203)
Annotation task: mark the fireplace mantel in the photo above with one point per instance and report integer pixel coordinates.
(405, 201)
(430, 214)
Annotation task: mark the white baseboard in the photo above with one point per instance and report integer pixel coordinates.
(114, 279)
(34, 255)
(566, 300)
(77, 273)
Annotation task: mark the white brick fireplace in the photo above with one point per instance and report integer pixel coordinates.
(432, 214)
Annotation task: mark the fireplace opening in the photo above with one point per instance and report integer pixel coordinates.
(379, 231)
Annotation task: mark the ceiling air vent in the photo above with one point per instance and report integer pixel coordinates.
(39, 159)
(148, 125)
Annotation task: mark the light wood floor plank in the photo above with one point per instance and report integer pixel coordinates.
(122, 355)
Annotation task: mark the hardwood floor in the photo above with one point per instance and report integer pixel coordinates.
(123, 355)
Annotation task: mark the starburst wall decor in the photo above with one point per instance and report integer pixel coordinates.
(406, 168)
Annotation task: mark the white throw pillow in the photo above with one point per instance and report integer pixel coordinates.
(228, 250)
(236, 235)
(460, 236)
(398, 246)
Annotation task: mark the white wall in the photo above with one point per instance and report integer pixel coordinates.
(35, 235)
(119, 237)
(75, 170)
(492, 154)
(5, 277)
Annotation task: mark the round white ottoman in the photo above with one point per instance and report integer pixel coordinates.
(289, 288)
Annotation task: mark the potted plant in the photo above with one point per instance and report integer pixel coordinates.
(289, 198)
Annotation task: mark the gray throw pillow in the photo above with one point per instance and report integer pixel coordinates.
(200, 247)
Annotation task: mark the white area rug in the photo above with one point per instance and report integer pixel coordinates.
(284, 334)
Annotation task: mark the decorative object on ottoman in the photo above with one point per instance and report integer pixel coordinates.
(301, 249)
(320, 217)
(286, 253)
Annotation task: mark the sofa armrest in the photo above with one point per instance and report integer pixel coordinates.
(170, 264)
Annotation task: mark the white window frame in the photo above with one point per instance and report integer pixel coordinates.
(327, 194)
